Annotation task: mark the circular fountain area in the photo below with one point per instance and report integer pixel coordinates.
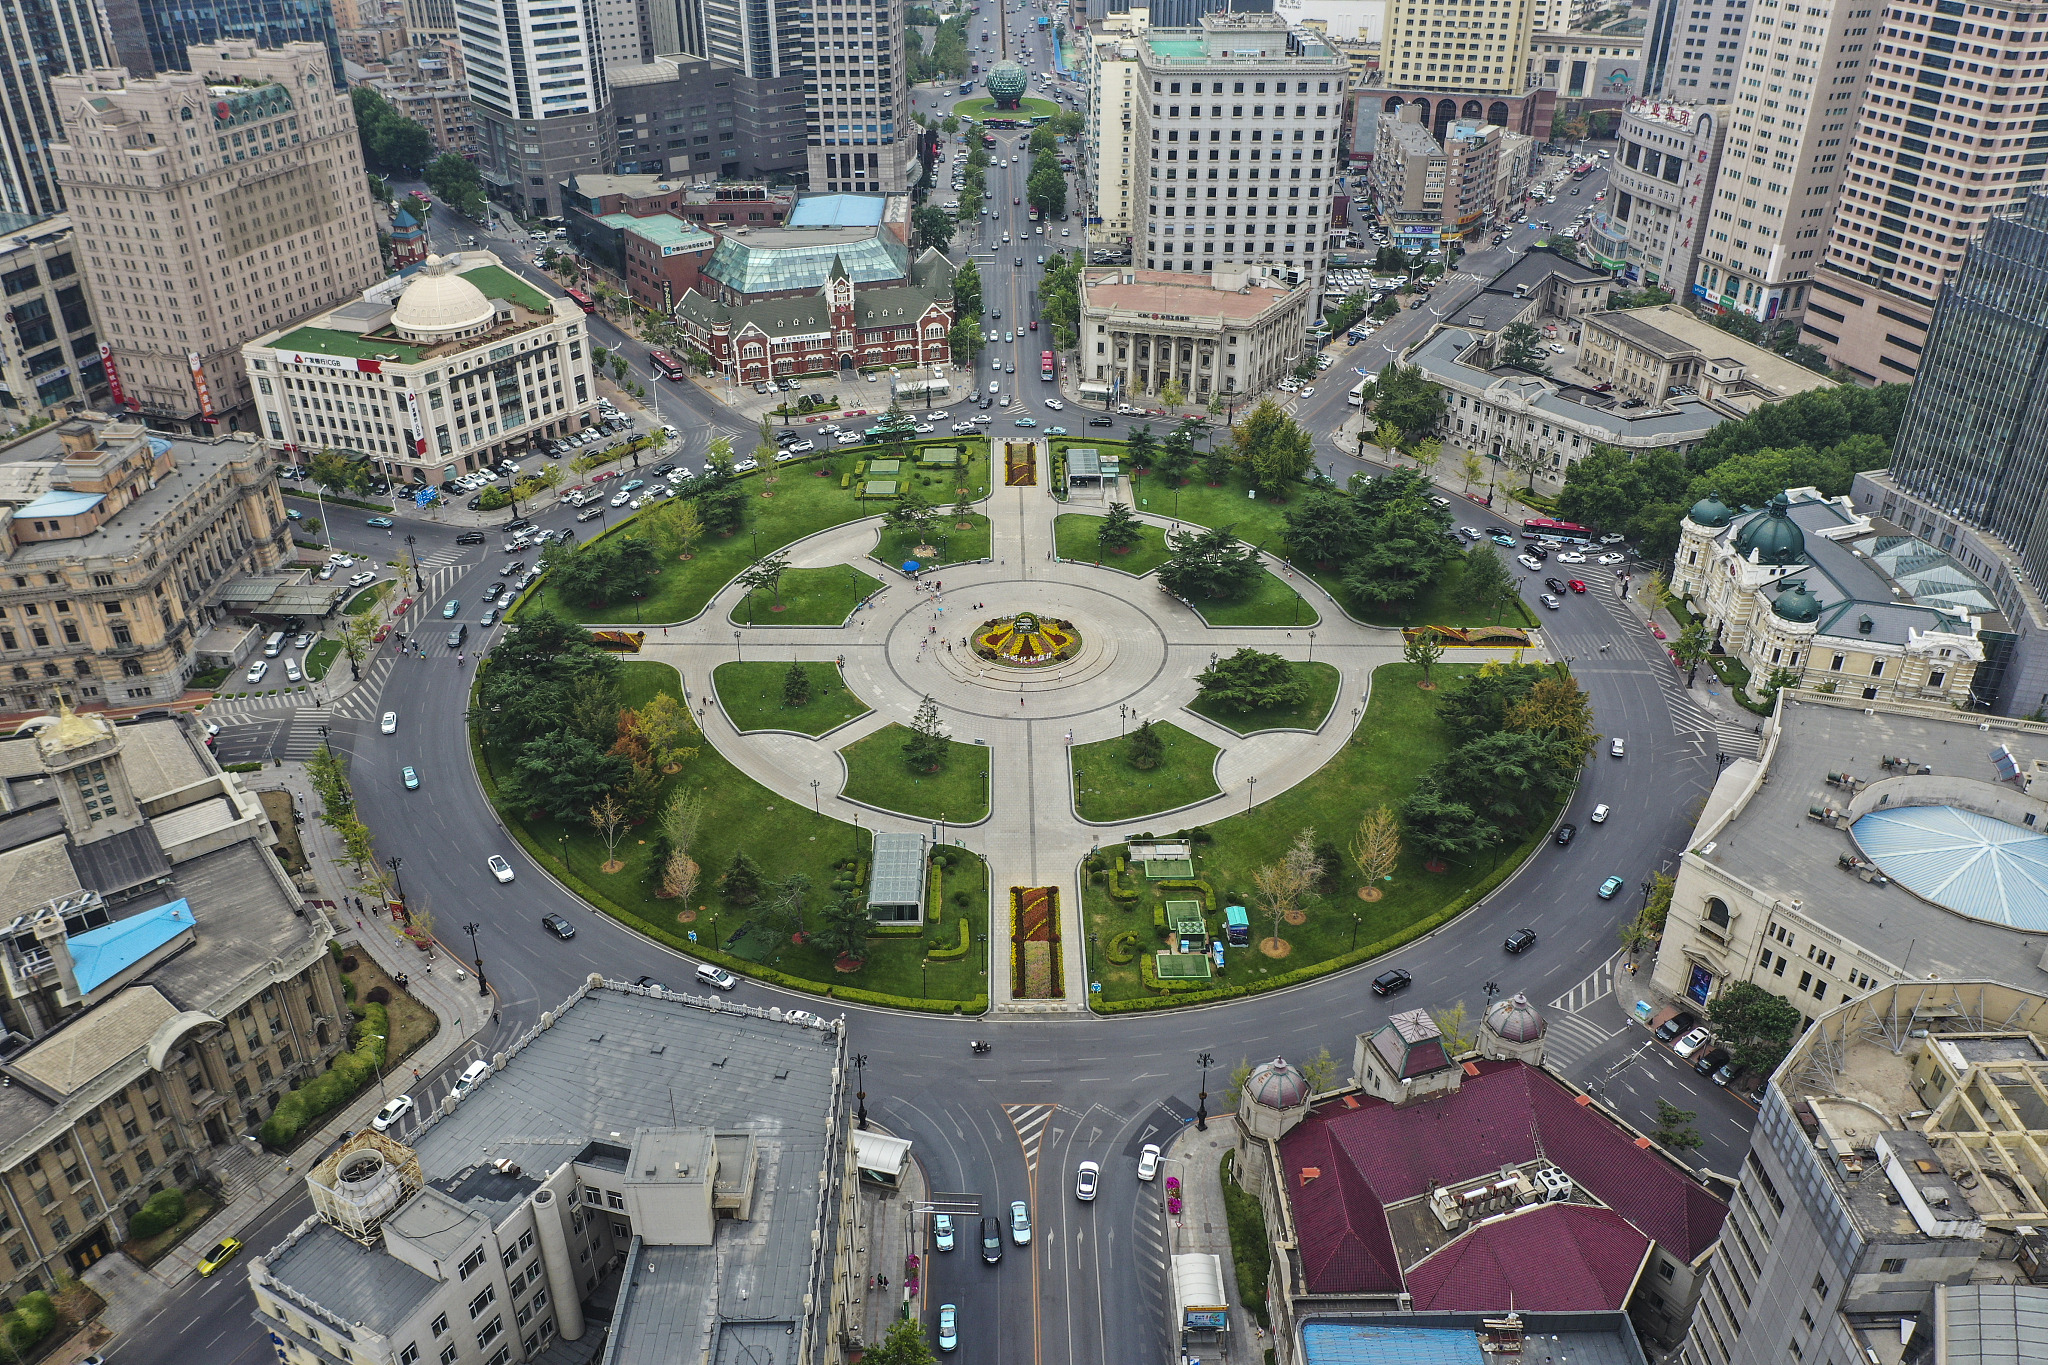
(1026, 640)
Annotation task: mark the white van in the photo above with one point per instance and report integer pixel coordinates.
(471, 1076)
(710, 975)
(274, 646)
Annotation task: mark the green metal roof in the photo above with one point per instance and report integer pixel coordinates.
(496, 282)
(661, 230)
(325, 341)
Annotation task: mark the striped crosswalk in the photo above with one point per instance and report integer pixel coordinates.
(1598, 985)
(1029, 1121)
(1571, 1037)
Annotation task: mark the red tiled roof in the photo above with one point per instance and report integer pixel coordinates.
(1554, 1258)
(1493, 1120)
(1345, 1244)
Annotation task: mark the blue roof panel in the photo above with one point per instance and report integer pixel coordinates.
(1332, 1343)
(62, 502)
(1964, 861)
(99, 955)
(837, 210)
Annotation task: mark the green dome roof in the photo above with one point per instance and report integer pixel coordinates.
(1774, 537)
(1711, 512)
(1795, 603)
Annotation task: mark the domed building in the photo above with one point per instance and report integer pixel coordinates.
(1275, 1098)
(1805, 588)
(429, 375)
(1006, 83)
(1513, 1031)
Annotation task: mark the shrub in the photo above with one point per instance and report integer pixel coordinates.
(162, 1210)
(378, 995)
(1123, 947)
(958, 950)
(34, 1318)
(334, 1087)
(349, 963)
(1202, 890)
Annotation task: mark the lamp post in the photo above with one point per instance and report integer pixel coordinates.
(419, 584)
(1251, 786)
(1204, 1060)
(483, 987)
(1311, 646)
(394, 863)
(814, 797)
(860, 1113)
(736, 654)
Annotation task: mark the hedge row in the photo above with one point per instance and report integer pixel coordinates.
(960, 950)
(973, 1005)
(333, 1087)
(162, 1210)
(1148, 971)
(1199, 887)
(1334, 964)
(1123, 947)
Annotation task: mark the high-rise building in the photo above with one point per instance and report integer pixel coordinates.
(1787, 147)
(676, 28)
(211, 206)
(768, 40)
(1660, 188)
(1264, 103)
(174, 28)
(1888, 1202)
(1110, 55)
(1974, 436)
(54, 37)
(621, 31)
(53, 366)
(537, 76)
(1478, 49)
(1694, 48)
(430, 20)
(1938, 151)
(692, 118)
(860, 135)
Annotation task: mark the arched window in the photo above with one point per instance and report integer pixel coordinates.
(1717, 911)
(1497, 112)
(1471, 109)
(1393, 103)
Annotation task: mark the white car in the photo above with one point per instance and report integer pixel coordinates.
(326, 572)
(292, 672)
(1692, 1042)
(1309, 392)
(960, 428)
(922, 428)
(362, 580)
(257, 670)
(1085, 1177)
(500, 869)
(981, 419)
(1599, 815)
(622, 499)
(802, 1019)
(395, 1108)
(745, 466)
(1056, 405)
(1571, 557)
(1148, 1161)
(1611, 558)
(389, 725)
(1529, 562)
(1616, 748)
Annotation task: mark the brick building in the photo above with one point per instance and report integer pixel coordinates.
(834, 328)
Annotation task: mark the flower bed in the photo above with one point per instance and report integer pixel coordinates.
(1035, 943)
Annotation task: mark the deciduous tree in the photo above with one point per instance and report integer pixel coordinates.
(1376, 848)
(1423, 649)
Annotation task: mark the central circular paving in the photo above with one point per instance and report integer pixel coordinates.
(1026, 640)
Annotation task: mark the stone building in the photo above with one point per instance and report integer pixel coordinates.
(458, 365)
(834, 328)
(1807, 588)
(162, 982)
(1660, 180)
(51, 365)
(1234, 331)
(116, 547)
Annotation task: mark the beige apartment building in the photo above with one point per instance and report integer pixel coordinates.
(51, 364)
(1942, 143)
(165, 982)
(116, 545)
(1788, 145)
(1479, 49)
(1114, 85)
(211, 206)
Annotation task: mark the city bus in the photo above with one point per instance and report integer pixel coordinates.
(1357, 398)
(1542, 528)
(1045, 365)
(665, 365)
(967, 87)
(581, 300)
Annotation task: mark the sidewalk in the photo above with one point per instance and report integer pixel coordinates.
(256, 1180)
(1203, 1225)
(887, 1234)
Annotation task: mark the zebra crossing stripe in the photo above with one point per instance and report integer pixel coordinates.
(1028, 1121)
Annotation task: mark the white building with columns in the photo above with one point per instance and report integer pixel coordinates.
(1221, 332)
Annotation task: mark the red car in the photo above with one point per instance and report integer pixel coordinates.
(1016, 200)
(1576, 585)
(1034, 324)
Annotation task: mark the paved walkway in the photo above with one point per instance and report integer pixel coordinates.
(1203, 1225)
(888, 1233)
(255, 1180)
(1142, 650)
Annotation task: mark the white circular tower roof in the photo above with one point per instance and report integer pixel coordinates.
(440, 302)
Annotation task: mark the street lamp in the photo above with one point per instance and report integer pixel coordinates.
(1251, 786)
(394, 863)
(736, 645)
(860, 1114)
(483, 987)
(1204, 1060)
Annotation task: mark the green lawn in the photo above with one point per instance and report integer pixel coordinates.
(1258, 520)
(368, 598)
(1322, 682)
(783, 839)
(810, 597)
(1397, 741)
(751, 694)
(1270, 603)
(1107, 787)
(895, 545)
(1440, 605)
(1074, 532)
(800, 502)
(982, 107)
(877, 775)
(321, 657)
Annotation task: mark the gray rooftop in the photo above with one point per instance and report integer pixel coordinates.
(353, 1282)
(197, 464)
(1770, 844)
(1993, 1324)
(617, 1062)
(1536, 267)
(1688, 419)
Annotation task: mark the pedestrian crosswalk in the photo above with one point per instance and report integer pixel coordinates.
(1571, 1037)
(309, 731)
(1598, 985)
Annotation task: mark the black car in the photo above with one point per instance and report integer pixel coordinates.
(1713, 1061)
(518, 524)
(991, 1239)
(497, 590)
(558, 926)
(1520, 941)
(1391, 980)
(474, 502)
(1100, 422)
(1554, 584)
(662, 471)
(1678, 1023)
(1020, 262)
(1565, 832)
(470, 538)
(995, 314)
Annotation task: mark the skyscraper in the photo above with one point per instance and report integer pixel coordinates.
(1939, 150)
(56, 37)
(859, 132)
(1265, 103)
(536, 73)
(1694, 48)
(1478, 49)
(1785, 155)
(1974, 437)
(174, 27)
(676, 28)
(211, 206)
